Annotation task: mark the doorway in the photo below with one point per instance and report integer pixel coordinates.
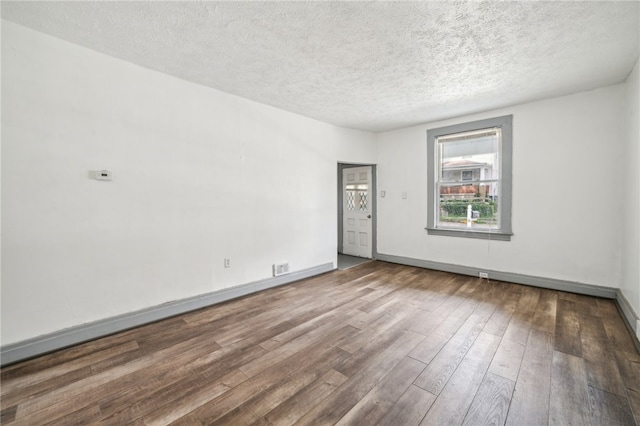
(357, 210)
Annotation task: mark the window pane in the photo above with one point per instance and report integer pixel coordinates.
(357, 197)
(471, 157)
(351, 200)
(454, 202)
(362, 201)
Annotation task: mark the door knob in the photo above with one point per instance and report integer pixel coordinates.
(369, 216)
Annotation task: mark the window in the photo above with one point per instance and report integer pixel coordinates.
(469, 179)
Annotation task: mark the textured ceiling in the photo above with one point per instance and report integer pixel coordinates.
(365, 65)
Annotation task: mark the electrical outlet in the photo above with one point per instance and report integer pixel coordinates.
(281, 269)
(227, 262)
(484, 275)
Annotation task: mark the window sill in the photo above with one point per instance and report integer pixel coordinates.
(482, 235)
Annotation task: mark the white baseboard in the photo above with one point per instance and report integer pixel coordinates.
(40, 345)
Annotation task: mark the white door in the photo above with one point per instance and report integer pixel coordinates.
(356, 211)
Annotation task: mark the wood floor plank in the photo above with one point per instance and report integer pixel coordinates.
(342, 314)
(45, 386)
(282, 389)
(84, 415)
(377, 344)
(184, 405)
(153, 339)
(188, 420)
(530, 401)
(507, 360)
(31, 382)
(491, 403)
(609, 409)
(349, 347)
(569, 397)
(544, 318)
(456, 397)
(8, 415)
(445, 328)
(330, 303)
(217, 372)
(320, 337)
(567, 335)
(438, 372)
(291, 410)
(268, 378)
(381, 398)
(629, 367)
(614, 326)
(410, 409)
(522, 317)
(232, 336)
(432, 286)
(370, 334)
(501, 317)
(455, 294)
(587, 305)
(226, 321)
(430, 321)
(336, 405)
(295, 332)
(37, 409)
(400, 281)
(602, 369)
(633, 396)
(78, 352)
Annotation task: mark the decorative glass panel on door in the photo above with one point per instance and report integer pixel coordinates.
(363, 200)
(351, 199)
(357, 197)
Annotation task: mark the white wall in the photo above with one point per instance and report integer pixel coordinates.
(630, 285)
(198, 175)
(567, 192)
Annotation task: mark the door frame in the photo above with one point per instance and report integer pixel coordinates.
(374, 206)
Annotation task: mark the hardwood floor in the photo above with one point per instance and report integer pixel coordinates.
(375, 344)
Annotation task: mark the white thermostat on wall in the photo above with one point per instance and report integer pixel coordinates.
(102, 175)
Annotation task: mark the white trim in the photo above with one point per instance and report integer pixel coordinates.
(40, 345)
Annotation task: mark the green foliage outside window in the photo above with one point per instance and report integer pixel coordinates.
(458, 208)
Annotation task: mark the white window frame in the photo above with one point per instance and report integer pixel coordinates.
(504, 204)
